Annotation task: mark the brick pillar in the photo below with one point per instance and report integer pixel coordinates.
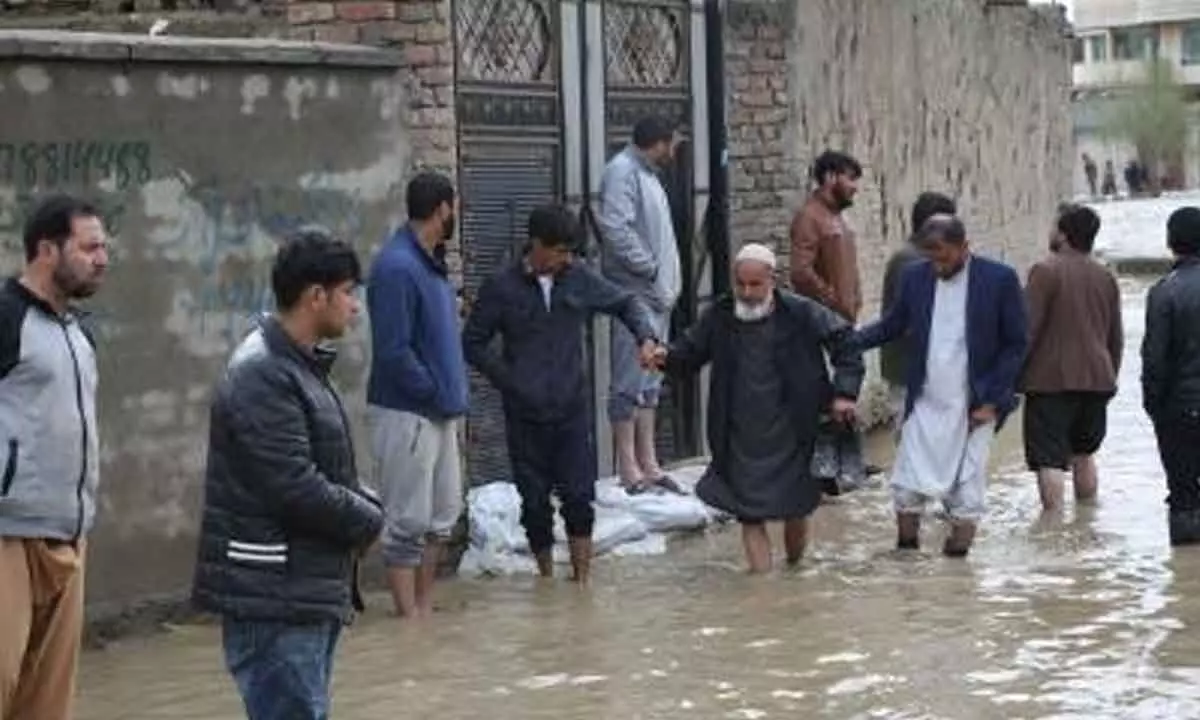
(764, 184)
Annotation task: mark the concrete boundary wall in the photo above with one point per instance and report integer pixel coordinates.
(201, 154)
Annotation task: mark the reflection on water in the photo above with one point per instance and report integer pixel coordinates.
(1083, 617)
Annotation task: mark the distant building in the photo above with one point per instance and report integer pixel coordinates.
(1113, 41)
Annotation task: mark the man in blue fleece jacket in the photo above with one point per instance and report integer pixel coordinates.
(416, 393)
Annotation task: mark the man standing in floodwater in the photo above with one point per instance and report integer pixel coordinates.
(1075, 343)
(48, 379)
(286, 518)
(965, 317)
(540, 307)
(1090, 171)
(1171, 374)
(893, 357)
(641, 254)
(770, 351)
(416, 393)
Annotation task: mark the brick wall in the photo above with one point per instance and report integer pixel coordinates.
(946, 95)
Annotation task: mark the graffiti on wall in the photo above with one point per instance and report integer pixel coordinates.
(230, 235)
(219, 233)
(75, 162)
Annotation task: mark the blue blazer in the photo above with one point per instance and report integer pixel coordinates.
(996, 331)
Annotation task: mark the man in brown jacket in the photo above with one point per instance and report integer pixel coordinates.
(1075, 344)
(824, 257)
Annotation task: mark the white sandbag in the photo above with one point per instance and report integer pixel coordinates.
(625, 525)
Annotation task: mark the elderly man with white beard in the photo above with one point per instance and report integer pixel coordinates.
(769, 386)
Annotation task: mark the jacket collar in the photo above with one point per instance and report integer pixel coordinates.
(15, 285)
(437, 264)
(1185, 261)
(320, 359)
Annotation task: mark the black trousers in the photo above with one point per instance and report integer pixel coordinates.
(553, 458)
(1178, 436)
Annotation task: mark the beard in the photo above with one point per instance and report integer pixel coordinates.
(843, 198)
(72, 284)
(751, 312)
(448, 227)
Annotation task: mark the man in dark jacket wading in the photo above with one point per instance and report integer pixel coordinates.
(539, 307)
(285, 518)
(1171, 374)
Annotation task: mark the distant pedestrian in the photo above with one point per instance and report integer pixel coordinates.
(824, 254)
(966, 318)
(641, 254)
(285, 519)
(1076, 339)
(770, 352)
(1109, 186)
(893, 357)
(1090, 172)
(1171, 374)
(540, 307)
(51, 462)
(416, 393)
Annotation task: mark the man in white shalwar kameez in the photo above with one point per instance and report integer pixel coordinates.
(965, 319)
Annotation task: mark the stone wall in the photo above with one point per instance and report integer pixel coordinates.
(946, 95)
(201, 155)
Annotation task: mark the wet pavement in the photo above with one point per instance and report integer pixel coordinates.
(1086, 617)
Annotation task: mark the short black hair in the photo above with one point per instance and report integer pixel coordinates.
(929, 204)
(650, 131)
(425, 194)
(835, 163)
(947, 228)
(51, 220)
(554, 226)
(311, 256)
(1183, 231)
(1079, 224)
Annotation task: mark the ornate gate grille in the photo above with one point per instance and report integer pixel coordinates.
(546, 91)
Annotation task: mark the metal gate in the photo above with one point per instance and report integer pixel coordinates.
(546, 91)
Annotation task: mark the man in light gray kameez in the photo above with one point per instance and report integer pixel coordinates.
(640, 253)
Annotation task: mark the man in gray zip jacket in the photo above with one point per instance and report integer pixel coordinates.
(49, 455)
(640, 254)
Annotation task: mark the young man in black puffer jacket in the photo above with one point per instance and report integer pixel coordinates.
(285, 517)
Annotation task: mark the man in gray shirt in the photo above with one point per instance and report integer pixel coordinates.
(641, 255)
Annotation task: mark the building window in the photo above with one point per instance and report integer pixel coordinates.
(1139, 43)
(1191, 43)
(1097, 46)
(1077, 51)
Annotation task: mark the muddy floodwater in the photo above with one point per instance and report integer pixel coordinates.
(1089, 617)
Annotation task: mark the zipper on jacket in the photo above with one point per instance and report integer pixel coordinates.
(83, 424)
(10, 468)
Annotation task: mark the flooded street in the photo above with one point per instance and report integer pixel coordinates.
(1086, 618)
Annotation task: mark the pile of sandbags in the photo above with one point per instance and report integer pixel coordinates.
(625, 524)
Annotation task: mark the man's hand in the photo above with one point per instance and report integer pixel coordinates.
(647, 355)
(983, 415)
(842, 410)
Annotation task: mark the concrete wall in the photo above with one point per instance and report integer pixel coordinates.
(943, 95)
(201, 154)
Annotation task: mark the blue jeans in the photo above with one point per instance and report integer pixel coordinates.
(282, 670)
